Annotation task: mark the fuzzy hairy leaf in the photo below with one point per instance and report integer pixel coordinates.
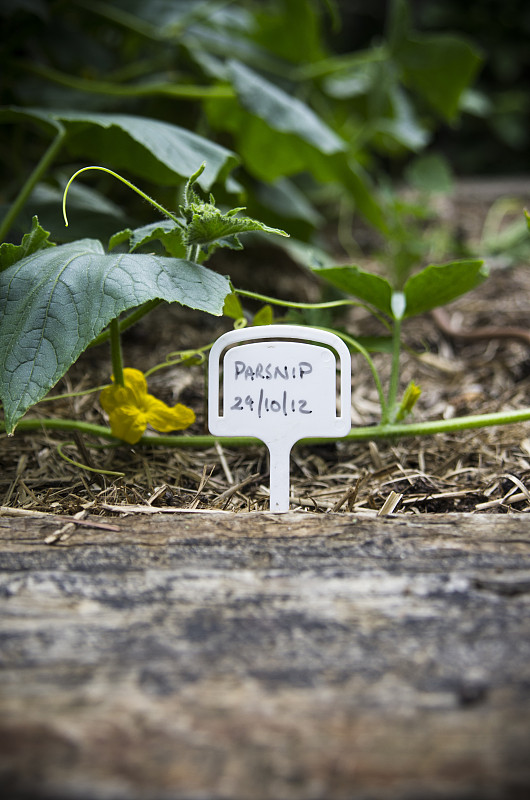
(208, 224)
(56, 301)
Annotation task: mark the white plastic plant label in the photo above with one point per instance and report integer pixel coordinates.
(279, 384)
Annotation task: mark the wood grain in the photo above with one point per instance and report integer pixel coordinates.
(259, 656)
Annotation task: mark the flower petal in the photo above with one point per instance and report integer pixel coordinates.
(163, 418)
(135, 381)
(128, 423)
(114, 397)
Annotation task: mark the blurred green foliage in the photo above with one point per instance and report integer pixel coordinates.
(291, 119)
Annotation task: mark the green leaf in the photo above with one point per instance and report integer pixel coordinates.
(376, 344)
(362, 191)
(399, 22)
(440, 67)
(434, 286)
(286, 200)
(287, 153)
(281, 111)
(439, 284)
(304, 254)
(55, 302)
(402, 128)
(208, 224)
(352, 80)
(430, 173)
(370, 288)
(232, 307)
(275, 30)
(158, 151)
(165, 231)
(36, 239)
(264, 316)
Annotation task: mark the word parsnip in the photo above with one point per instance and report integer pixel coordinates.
(279, 384)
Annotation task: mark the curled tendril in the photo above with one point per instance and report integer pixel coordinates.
(79, 465)
(123, 180)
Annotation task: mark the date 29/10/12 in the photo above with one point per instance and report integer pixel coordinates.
(263, 405)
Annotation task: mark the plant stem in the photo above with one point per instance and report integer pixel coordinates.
(85, 466)
(192, 253)
(389, 414)
(168, 89)
(116, 354)
(367, 433)
(292, 304)
(349, 340)
(328, 304)
(34, 178)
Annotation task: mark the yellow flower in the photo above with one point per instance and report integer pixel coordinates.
(131, 409)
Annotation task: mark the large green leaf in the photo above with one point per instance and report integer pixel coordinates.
(439, 284)
(281, 111)
(277, 135)
(159, 151)
(440, 67)
(275, 30)
(371, 288)
(55, 302)
(270, 155)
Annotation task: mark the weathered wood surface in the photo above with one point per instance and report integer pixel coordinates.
(259, 656)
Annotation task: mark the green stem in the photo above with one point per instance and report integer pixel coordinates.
(85, 466)
(116, 354)
(349, 340)
(174, 32)
(292, 304)
(34, 178)
(50, 398)
(145, 196)
(368, 433)
(179, 357)
(393, 386)
(167, 89)
(328, 304)
(192, 253)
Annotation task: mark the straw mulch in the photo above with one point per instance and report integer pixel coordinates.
(482, 471)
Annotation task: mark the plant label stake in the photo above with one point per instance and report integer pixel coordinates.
(279, 388)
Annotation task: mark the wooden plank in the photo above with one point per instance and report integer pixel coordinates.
(265, 656)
